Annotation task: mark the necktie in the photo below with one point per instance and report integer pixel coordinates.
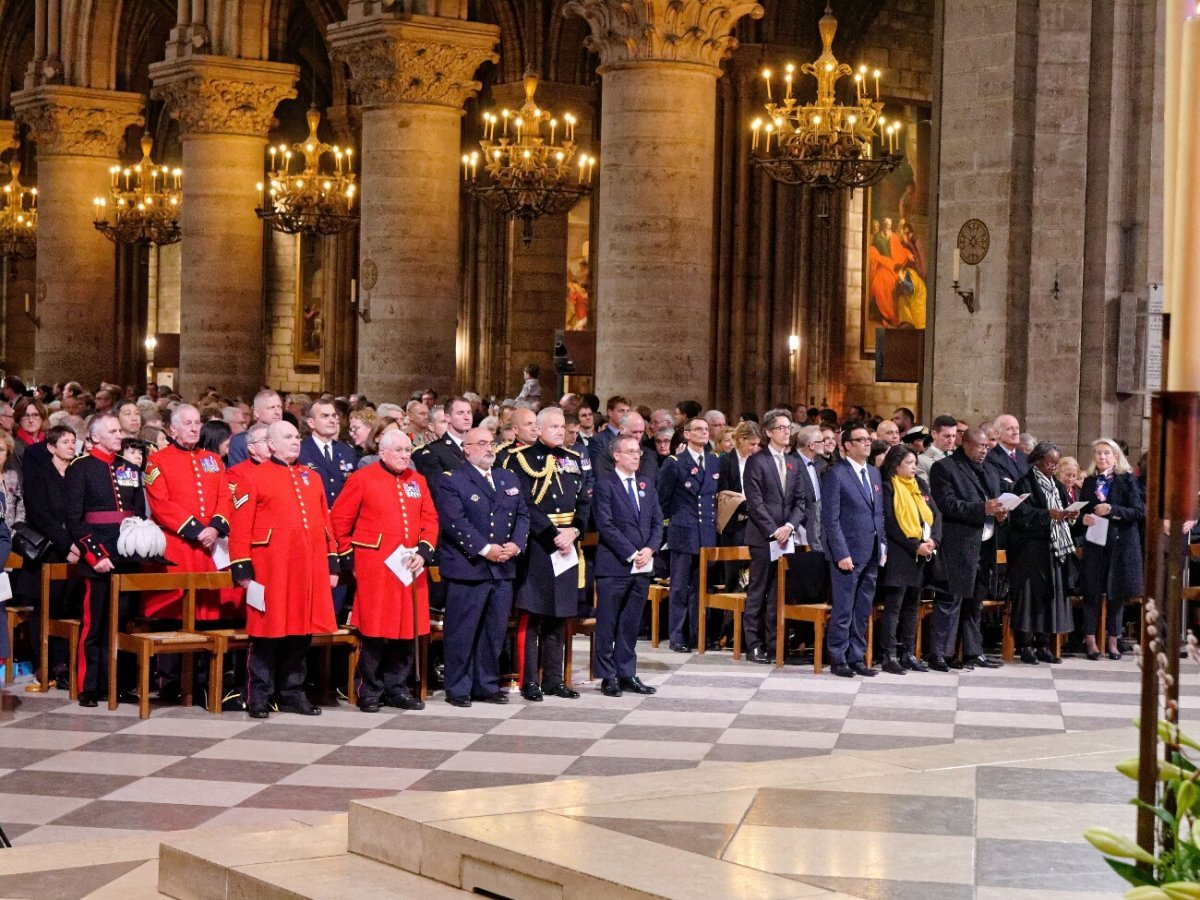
(700, 465)
(328, 455)
(632, 494)
(1012, 454)
(491, 483)
(866, 486)
(782, 470)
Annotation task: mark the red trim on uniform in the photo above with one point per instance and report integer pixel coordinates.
(103, 455)
(84, 631)
(107, 517)
(522, 623)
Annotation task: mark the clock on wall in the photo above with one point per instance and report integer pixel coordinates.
(973, 242)
(370, 274)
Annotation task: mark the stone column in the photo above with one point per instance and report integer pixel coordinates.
(78, 133)
(412, 75)
(654, 279)
(537, 283)
(224, 107)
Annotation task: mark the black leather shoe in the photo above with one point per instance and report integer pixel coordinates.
(913, 664)
(1093, 656)
(233, 702)
(758, 655)
(983, 661)
(680, 648)
(1113, 656)
(561, 690)
(957, 663)
(939, 664)
(258, 712)
(370, 706)
(842, 670)
(498, 698)
(460, 702)
(714, 646)
(87, 700)
(635, 685)
(892, 666)
(303, 708)
(1028, 656)
(128, 697)
(404, 701)
(532, 691)
(610, 687)
(1047, 656)
(861, 668)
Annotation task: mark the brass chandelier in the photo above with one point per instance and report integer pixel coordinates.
(310, 202)
(529, 170)
(143, 202)
(825, 143)
(18, 217)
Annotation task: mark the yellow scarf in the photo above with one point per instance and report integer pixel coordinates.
(911, 509)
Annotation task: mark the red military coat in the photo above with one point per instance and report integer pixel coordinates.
(187, 491)
(281, 537)
(378, 511)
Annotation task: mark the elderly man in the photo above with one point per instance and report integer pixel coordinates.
(189, 497)
(558, 491)
(1007, 459)
(383, 508)
(235, 418)
(267, 409)
(888, 432)
(283, 552)
(630, 425)
(716, 426)
(485, 527)
(808, 573)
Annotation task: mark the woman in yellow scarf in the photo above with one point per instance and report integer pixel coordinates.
(914, 530)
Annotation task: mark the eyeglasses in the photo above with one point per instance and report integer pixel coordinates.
(861, 440)
(780, 427)
(477, 443)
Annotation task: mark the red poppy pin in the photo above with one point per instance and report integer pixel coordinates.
(877, 489)
(695, 471)
(789, 465)
(641, 485)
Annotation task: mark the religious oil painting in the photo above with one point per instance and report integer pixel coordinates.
(896, 235)
(310, 302)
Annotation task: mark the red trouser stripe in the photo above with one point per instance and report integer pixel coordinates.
(86, 630)
(519, 662)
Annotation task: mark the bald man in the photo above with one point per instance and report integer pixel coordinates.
(524, 425)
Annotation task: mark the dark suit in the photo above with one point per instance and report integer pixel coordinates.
(623, 531)
(239, 450)
(436, 460)
(770, 505)
(478, 592)
(689, 501)
(597, 444)
(808, 573)
(852, 520)
(1008, 471)
(603, 465)
(960, 489)
(334, 473)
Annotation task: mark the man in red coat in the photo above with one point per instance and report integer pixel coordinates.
(189, 498)
(281, 542)
(382, 508)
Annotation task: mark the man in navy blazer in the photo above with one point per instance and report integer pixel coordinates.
(687, 490)
(334, 461)
(485, 525)
(855, 544)
(775, 489)
(629, 524)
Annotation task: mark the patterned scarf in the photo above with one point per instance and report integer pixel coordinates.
(1060, 533)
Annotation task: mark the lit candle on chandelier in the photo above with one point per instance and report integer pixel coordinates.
(553, 125)
(788, 80)
(767, 79)
(877, 74)
(756, 127)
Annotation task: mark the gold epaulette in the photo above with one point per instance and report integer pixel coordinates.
(572, 452)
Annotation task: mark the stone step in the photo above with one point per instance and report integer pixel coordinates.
(141, 883)
(283, 864)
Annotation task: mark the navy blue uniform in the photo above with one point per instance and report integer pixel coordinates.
(624, 527)
(688, 494)
(102, 490)
(557, 487)
(436, 460)
(478, 592)
(334, 472)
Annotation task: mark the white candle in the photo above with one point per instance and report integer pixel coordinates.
(1183, 362)
(1176, 15)
(957, 265)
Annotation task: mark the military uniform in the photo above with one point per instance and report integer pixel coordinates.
(282, 538)
(438, 459)
(474, 516)
(379, 511)
(557, 487)
(188, 491)
(687, 490)
(507, 449)
(102, 490)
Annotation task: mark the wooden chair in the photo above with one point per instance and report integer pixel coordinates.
(64, 629)
(17, 616)
(346, 636)
(817, 615)
(226, 640)
(732, 601)
(659, 594)
(574, 627)
(147, 645)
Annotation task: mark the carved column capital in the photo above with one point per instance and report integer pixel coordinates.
(413, 59)
(70, 121)
(685, 31)
(216, 95)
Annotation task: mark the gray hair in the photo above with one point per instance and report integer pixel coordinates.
(93, 425)
(179, 411)
(546, 414)
(259, 429)
(808, 435)
(262, 398)
(390, 438)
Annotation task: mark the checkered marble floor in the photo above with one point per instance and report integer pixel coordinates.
(68, 773)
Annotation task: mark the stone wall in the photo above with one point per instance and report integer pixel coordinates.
(281, 319)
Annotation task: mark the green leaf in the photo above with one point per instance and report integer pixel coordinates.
(1186, 795)
(1131, 873)
(1158, 811)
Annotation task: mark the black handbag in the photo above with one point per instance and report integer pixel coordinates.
(29, 543)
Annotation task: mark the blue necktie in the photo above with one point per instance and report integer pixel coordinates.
(866, 485)
(632, 494)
